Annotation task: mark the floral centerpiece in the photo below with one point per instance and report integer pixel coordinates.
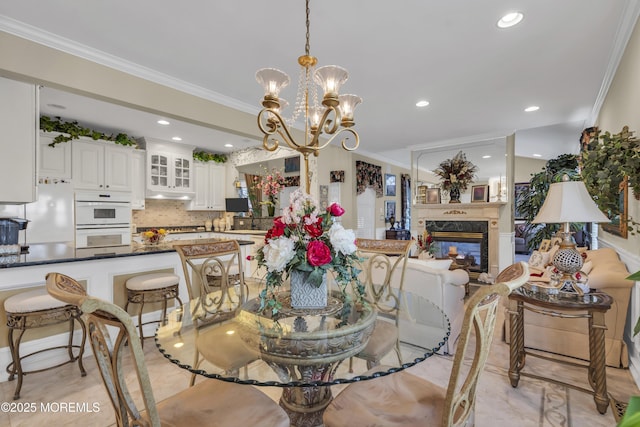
(425, 244)
(271, 184)
(307, 240)
(154, 236)
(456, 174)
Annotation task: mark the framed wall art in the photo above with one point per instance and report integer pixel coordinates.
(520, 187)
(479, 193)
(292, 164)
(389, 185)
(389, 209)
(432, 195)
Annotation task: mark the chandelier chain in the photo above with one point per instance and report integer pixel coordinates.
(307, 47)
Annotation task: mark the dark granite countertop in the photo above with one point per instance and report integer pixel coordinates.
(54, 253)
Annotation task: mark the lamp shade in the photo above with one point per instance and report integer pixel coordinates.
(569, 201)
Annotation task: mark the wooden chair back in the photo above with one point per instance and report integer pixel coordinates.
(479, 318)
(109, 353)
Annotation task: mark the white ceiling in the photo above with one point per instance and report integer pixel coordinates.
(478, 78)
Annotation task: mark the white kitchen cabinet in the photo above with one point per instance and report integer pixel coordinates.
(101, 166)
(19, 121)
(138, 185)
(169, 169)
(53, 162)
(209, 179)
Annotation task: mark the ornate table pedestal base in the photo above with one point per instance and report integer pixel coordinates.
(306, 405)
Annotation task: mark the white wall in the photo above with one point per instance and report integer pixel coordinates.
(620, 108)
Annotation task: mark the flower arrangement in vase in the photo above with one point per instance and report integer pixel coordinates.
(425, 245)
(456, 174)
(271, 184)
(154, 236)
(307, 240)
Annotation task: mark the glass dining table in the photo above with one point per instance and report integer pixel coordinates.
(304, 351)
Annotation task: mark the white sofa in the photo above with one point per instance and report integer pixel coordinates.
(443, 287)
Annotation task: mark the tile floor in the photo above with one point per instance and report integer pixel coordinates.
(534, 403)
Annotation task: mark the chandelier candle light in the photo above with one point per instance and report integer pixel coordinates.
(566, 202)
(333, 117)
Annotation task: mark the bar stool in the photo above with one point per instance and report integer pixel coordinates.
(148, 288)
(35, 309)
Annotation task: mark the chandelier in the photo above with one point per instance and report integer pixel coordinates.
(333, 117)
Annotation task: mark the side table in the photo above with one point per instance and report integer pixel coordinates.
(592, 307)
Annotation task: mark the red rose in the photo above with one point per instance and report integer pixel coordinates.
(276, 231)
(313, 230)
(318, 253)
(335, 210)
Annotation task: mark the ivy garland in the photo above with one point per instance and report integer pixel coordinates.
(75, 131)
(209, 157)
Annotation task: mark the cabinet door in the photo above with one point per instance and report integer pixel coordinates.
(88, 165)
(216, 187)
(54, 162)
(138, 173)
(182, 168)
(158, 178)
(200, 201)
(19, 123)
(117, 168)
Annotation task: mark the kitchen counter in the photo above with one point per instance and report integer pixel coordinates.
(54, 253)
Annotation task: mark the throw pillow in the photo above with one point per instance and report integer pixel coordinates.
(538, 260)
(442, 264)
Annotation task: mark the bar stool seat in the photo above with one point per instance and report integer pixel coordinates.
(149, 288)
(35, 309)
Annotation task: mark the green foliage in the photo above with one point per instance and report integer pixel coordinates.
(209, 157)
(631, 416)
(74, 131)
(531, 200)
(606, 161)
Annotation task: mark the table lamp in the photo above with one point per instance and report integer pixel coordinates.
(568, 201)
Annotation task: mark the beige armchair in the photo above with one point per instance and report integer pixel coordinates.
(570, 337)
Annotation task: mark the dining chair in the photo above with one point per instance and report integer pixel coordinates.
(211, 402)
(404, 399)
(382, 260)
(213, 274)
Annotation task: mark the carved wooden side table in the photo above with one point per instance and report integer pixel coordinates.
(592, 307)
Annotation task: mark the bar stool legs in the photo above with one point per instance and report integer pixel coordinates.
(150, 288)
(30, 320)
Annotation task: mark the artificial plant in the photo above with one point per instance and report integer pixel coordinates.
(530, 200)
(606, 160)
(72, 130)
(203, 156)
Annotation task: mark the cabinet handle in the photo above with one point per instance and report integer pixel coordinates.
(107, 186)
(100, 185)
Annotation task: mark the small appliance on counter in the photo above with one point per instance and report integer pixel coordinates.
(10, 249)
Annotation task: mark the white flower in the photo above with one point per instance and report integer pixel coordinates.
(278, 253)
(343, 241)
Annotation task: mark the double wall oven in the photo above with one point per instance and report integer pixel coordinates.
(103, 222)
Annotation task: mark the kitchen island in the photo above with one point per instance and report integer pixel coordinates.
(103, 275)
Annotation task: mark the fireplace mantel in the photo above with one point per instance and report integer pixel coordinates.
(477, 211)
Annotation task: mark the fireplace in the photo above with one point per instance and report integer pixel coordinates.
(467, 239)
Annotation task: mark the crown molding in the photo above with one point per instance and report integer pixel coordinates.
(625, 29)
(45, 38)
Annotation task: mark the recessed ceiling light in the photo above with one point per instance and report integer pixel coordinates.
(163, 122)
(537, 155)
(422, 103)
(228, 145)
(57, 106)
(532, 108)
(177, 138)
(486, 157)
(510, 19)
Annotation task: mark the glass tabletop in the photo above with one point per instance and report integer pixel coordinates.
(303, 347)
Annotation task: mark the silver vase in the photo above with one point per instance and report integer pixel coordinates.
(305, 295)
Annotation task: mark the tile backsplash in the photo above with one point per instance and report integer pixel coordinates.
(171, 213)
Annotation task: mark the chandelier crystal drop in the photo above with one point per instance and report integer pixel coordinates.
(333, 116)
